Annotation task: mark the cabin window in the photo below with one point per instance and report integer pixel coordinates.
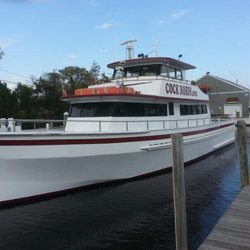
(118, 109)
(164, 70)
(118, 74)
(175, 73)
(121, 109)
(132, 72)
(171, 108)
(204, 109)
(199, 109)
(193, 109)
(94, 109)
(148, 70)
(171, 72)
(75, 110)
(140, 109)
(179, 74)
(136, 109)
(151, 70)
(155, 110)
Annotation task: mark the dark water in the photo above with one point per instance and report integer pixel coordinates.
(132, 215)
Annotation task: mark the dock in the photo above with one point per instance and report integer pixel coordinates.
(233, 230)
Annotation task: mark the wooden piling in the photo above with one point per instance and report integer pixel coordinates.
(179, 193)
(242, 142)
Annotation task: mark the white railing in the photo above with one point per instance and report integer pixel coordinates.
(87, 125)
(16, 125)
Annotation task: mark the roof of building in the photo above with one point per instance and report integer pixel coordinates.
(225, 81)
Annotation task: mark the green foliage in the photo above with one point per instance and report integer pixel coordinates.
(48, 90)
(7, 102)
(104, 78)
(75, 77)
(94, 73)
(26, 102)
(1, 53)
(42, 99)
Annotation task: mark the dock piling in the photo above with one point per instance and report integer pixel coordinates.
(179, 193)
(242, 142)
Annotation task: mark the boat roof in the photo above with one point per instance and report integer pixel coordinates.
(151, 60)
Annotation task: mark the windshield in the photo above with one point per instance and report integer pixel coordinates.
(149, 70)
(135, 71)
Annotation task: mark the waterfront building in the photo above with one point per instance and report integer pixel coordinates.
(227, 97)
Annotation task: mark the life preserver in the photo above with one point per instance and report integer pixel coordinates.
(104, 90)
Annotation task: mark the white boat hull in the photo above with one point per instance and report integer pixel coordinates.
(30, 167)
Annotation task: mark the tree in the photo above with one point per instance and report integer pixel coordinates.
(94, 73)
(75, 77)
(1, 53)
(26, 102)
(48, 90)
(7, 102)
(42, 100)
(104, 78)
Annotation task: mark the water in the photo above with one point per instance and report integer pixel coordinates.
(131, 215)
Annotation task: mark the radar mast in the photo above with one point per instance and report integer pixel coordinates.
(129, 48)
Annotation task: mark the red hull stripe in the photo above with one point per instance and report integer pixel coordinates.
(36, 142)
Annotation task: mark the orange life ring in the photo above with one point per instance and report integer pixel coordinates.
(104, 90)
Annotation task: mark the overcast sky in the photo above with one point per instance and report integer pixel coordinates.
(39, 36)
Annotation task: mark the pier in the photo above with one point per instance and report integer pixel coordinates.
(233, 230)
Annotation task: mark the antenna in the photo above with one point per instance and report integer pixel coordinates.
(155, 45)
(129, 48)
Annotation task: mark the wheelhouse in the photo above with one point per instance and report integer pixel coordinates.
(160, 66)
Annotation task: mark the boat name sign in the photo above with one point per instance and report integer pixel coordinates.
(176, 89)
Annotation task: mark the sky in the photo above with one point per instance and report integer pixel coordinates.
(40, 36)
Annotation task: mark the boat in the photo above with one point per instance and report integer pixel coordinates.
(113, 131)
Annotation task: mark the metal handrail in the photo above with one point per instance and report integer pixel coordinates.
(148, 124)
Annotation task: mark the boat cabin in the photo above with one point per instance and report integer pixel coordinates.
(154, 66)
(145, 93)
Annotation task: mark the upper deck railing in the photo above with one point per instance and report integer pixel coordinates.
(149, 79)
(87, 125)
